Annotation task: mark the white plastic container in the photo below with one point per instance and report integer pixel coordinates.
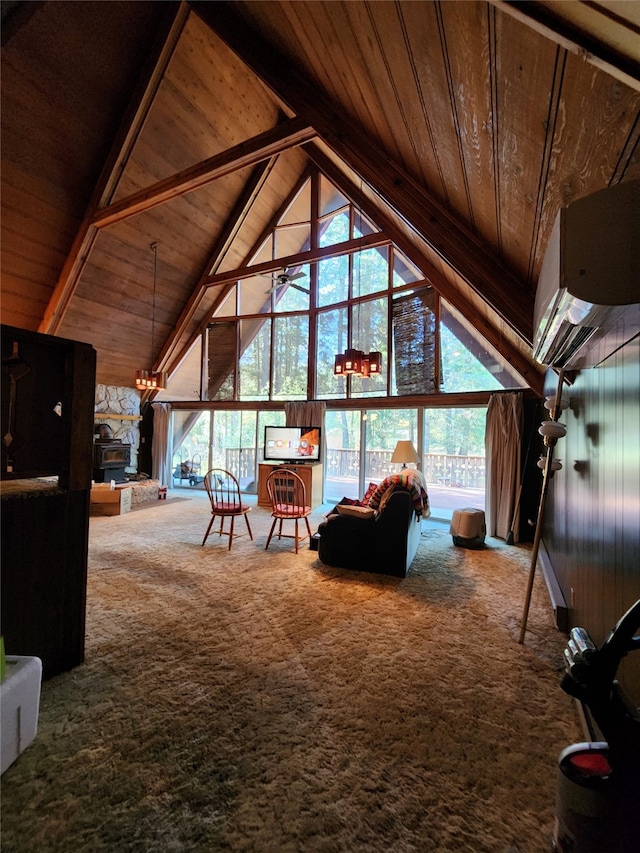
(19, 707)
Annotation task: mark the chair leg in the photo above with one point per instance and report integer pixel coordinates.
(270, 533)
(231, 532)
(213, 518)
(296, 535)
(308, 528)
(246, 518)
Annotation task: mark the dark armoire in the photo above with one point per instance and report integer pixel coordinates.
(48, 388)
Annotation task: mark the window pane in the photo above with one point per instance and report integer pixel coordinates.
(384, 428)
(370, 271)
(234, 444)
(221, 361)
(253, 370)
(300, 208)
(404, 272)
(333, 280)
(330, 197)
(267, 419)
(254, 295)
(244, 467)
(370, 333)
(454, 459)
(291, 358)
(190, 447)
(342, 438)
(332, 339)
(225, 438)
(468, 362)
(294, 295)
(265, 252)
(292, 239)
(228, 308)
(334, 229)
(362, 225)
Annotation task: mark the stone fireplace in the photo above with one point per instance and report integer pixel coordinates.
(119, 409)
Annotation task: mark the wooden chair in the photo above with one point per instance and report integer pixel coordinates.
(224, 493)
(288, 496)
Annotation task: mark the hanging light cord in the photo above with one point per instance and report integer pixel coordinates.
(154, 246)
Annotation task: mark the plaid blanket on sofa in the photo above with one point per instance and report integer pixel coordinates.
(408, 481)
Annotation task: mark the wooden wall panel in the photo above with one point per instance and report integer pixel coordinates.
(592, 519)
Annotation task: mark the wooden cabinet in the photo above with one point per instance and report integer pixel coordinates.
(48, 389)
(310, 474)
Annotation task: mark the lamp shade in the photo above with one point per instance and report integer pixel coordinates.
(404, 453)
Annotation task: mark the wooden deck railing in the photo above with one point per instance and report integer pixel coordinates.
(442, 469)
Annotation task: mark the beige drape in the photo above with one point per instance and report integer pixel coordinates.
(160, 461)
(305, 413)
(503, 448)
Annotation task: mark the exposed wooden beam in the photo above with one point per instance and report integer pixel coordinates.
(369, 241)
(454, 243)
(603, 47)
(457, 400)
(133, 120)
(235, 221)
(173, 352)
(289, 134)
(525, 367)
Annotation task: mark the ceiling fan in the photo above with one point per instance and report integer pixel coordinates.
(285, 278)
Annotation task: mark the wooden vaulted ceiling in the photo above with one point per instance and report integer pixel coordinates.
(459, 127)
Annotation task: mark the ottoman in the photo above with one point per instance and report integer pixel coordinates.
(468, 528)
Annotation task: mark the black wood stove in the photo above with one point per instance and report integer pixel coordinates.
(110, 458)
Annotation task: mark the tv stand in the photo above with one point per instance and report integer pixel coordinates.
(309, 472)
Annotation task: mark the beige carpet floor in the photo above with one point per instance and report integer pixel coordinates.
(260, 701)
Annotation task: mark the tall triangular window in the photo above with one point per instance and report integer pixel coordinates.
(334, 283)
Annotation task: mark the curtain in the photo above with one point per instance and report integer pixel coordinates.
(305, 413)
(503, 448)
(160, 461)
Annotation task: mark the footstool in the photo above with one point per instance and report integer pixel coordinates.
(468, 528)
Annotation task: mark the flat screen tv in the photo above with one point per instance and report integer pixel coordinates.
(291, 444)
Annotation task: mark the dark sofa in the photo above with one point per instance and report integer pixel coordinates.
(385, 543)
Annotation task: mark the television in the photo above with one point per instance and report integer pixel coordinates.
(291, 444)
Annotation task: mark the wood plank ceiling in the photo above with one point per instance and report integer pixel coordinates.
(460, 127)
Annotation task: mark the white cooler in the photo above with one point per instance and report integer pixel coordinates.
(19, 707)
(468, 528)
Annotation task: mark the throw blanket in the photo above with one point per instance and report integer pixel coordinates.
(408, 481)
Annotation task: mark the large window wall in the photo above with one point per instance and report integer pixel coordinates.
(273, 337)
(358, 443)
(449, 442)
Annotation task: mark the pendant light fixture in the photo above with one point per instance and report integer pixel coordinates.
(352, 361)
(152, 380)
(358, 363)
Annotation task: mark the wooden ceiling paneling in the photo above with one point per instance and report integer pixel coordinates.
(463, 126)
(526, 77)
(63, 87)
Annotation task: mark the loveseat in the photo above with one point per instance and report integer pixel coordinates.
(384, 539)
